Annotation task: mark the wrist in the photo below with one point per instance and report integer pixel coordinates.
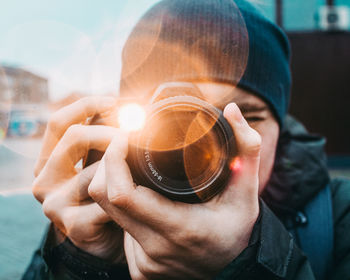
(109, 245)
(67, 258)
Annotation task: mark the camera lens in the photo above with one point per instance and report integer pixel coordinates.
(184, 149)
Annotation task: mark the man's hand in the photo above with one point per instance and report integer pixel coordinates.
(63, 189)
(172, 240)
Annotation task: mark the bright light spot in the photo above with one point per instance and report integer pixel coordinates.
(236, 164)
(131, 117)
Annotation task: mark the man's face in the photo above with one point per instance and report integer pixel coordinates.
(258, 115)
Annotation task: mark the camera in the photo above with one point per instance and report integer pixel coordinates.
(185, 147)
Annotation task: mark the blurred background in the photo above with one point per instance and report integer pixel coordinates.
(55, 52)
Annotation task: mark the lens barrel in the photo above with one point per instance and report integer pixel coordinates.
(184, 151)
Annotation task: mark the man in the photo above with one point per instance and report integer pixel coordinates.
(105, 227)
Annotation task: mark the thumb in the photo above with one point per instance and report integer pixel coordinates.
(244, 181)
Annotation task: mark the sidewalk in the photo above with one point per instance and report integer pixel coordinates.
(21, 228)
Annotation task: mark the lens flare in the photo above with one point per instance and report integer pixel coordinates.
(131, 117)
(236, 164)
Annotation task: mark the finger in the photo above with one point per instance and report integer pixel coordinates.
(130, 255)
(76, 221)
(97, 186)
(141, 265)
(245, 166)
(75, 144)
(93, 214)
(75, 113)
(248, 140)
(120, 175)
(129, 205)
(98, 189)
(76, 190)
(118, 172)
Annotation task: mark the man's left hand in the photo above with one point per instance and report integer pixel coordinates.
(167, 239)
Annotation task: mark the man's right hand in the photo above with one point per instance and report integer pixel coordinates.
(63, 189)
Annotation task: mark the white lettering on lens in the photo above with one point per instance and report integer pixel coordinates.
(154, 172)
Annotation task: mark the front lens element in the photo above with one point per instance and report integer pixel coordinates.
(184, 149)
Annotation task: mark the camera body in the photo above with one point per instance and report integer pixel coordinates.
(185, 148)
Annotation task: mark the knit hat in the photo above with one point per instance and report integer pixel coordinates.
(208, 40)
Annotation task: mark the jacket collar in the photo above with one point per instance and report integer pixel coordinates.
(300, 169)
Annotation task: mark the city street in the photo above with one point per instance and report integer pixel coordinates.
(22, 222)
(17, 159)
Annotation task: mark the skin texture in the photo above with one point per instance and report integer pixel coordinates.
(162, 238)
(63, 189)
(262, 121)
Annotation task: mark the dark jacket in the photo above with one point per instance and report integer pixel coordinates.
(300, 172)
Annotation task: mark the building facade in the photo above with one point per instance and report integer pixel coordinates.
(23, 87)
(24, 100)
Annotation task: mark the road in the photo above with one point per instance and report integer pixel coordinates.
(17, 159)
(21, 220)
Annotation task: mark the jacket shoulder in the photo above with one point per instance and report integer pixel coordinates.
(341, 197)
(341, 217)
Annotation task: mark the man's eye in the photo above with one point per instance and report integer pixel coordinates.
(254, 119)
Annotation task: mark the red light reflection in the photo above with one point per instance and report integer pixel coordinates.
(236, 164)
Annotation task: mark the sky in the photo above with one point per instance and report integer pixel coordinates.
(76, 44)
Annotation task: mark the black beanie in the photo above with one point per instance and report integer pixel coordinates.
(208, 40)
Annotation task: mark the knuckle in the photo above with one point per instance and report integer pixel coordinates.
(37, 170)
(121, 200)
(76, 138)
(95, 191)
(149, 269)
(75, 131)
(54, 123)
(49, 208)
(38, 190)
(88, 102)
(258, 139)
(70, 220)
(191, 236)
(144, 267)
(254, 143)
(158, 255)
